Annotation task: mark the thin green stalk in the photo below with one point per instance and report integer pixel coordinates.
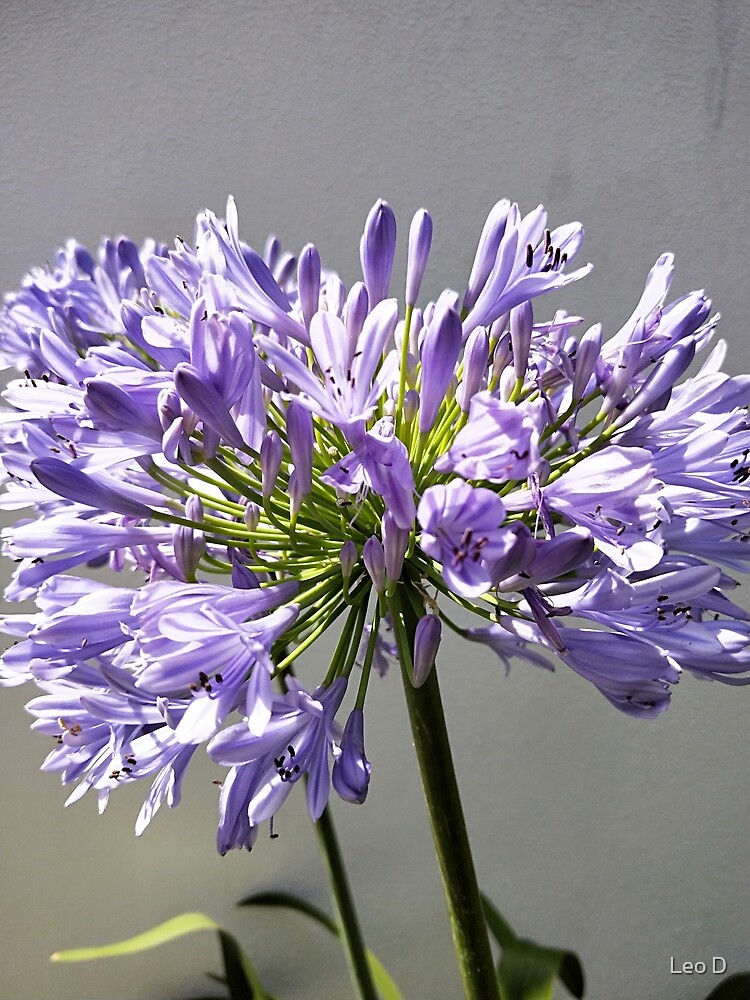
(431, 742)
(351, 932)
(354, 945)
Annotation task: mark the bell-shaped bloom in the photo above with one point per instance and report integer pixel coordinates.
(380, 462)
(462, 530)
(351, 769)
(297, 741)
(500, 442)
(352, 374)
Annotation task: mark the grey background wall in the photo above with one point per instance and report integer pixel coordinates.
(627, 841)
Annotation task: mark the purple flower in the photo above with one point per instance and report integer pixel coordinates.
(380, 462)
(297, 741)
(500, 442)
(462, 530)
(351, 769)
(351, 382)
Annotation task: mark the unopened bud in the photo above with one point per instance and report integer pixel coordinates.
(374, 558)
(308, 282)
(355, 311)
(271, 452)
(420, 240)
(395, 544)
(411, 405)
(521, 328)
(377, 249)
(351, 770)
(299, 430)
(190, 543)
(251, 516)
(476, 356)
(348, 557)
(426, 642)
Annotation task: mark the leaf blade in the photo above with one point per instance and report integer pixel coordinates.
(170, 930)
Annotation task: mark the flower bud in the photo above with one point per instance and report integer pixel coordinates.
(420, 239)
(521, 328)
(308, 282)
(351, 770)
(476, 356)
(395, 544)
(284, 269)
(348, 557)
(377, 249)
(271, 452)
(189, 543)
(243, 577)
(299, 429)
(417, 321)
(587, 355)
(355, 311)
(334, 294)
(372, 553)
(168, 407)
(426, 642)
(489, 243)
(251, 516)
(440, 350)
(411, 405)
(296, 495)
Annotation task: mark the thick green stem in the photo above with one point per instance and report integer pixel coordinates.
(354, 945)
(431, 742)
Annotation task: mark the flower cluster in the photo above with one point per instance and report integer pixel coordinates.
(261, 454)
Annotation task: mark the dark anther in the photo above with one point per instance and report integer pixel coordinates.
(620, 530)
(218, 678)
(291, 750)
(547, 240)
(529, 255)
(556, 261)
(734, 463)
(296, 768)
(662, 597)
(564, 259)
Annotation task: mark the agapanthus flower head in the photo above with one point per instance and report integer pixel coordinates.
(263, 455)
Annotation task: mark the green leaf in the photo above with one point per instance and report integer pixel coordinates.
(381, 978)
(241, 979)
(527, 971)
(496, 923)
(736, 987)
(170, 930)
(288, 901)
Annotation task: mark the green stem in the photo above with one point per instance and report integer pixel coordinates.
(449, 829)
(356, 952)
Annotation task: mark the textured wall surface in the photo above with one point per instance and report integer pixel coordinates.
(625, 840)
